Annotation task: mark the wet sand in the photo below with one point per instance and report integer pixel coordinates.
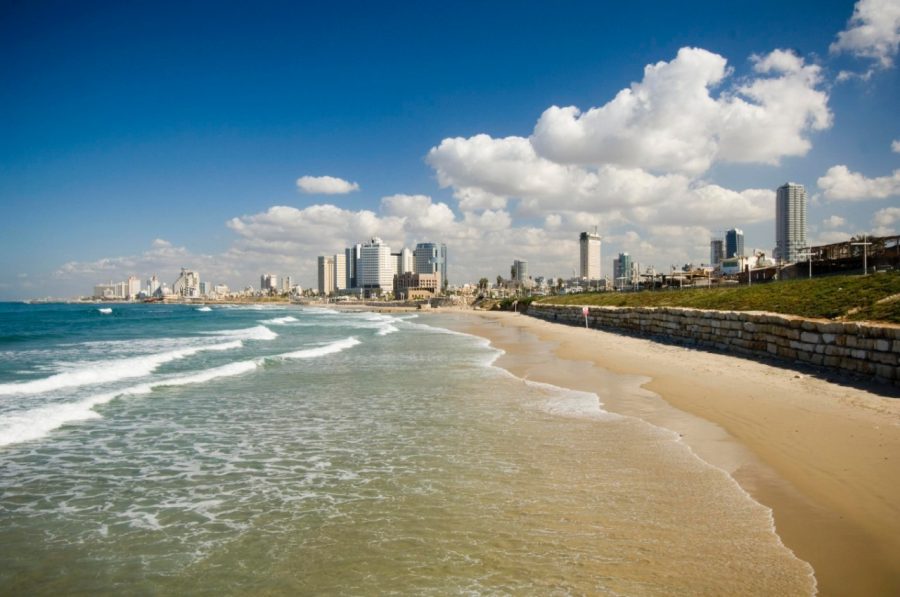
(824, 457)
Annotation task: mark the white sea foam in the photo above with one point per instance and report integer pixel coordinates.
(387, 329)
(259, 332)
(204, 309)
(38, 422)
(332, 348)
(99, 372)
(281, 320)
(105, 310)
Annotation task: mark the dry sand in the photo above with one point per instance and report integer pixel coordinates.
(824, 457)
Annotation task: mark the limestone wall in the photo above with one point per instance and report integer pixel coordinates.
(863, 349)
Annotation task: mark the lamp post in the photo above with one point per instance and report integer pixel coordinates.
(865, 245)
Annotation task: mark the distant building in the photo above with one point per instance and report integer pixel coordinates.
(590, 245)
(340, 272)
(153, 286)
(623, 274)
(286, 284)
(403, 261)
(431, 258)
(187, 284)
(105, 291)
(375, 271)
(790, 222)
(268, 283)
(351, 258)
(410, 286)
(204, 288)
(716, 252)
(519, 270)
(734, 243)
(326, 275)
(132, 287)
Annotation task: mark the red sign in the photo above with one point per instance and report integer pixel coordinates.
(584, 311)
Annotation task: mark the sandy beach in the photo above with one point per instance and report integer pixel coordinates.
(824, 457)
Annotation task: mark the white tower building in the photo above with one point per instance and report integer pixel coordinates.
(790, 222)
(375, 269)
(590, 255)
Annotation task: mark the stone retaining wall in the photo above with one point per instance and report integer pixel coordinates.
(863, 349)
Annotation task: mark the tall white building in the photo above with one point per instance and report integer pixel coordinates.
(187, 284)
(590, 255)
(134, 287)
(519, 270)
(326, 275)
(340, 271)
(404, 261)
(152, 285)
(790, 222)
(286, 284)
(375, 269)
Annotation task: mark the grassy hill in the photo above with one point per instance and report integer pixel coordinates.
(873, 298)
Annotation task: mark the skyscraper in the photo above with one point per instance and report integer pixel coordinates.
(590, 255)
(734, 243)
(790, 222)
(622, 273)
(351, 256)
(326, 275)
(431, 258)
(340, 271)
(519, 270)
(374, 270)
(716, 252)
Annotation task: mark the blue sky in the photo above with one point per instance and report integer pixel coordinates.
(137, 138)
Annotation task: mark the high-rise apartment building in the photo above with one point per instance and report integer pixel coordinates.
(134, 287)
(519, 270)
(734, 243)
(590, 255)
(268, 283)
(187, 284)
(622, 271)
(340, 271)
(326, 275)
(790, 222)
(374, 269)
(716, 252)
(286, 284)
(351, 257)
(431, 258)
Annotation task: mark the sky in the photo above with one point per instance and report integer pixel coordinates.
(237, 138)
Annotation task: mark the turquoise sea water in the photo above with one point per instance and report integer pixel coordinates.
(245, 450)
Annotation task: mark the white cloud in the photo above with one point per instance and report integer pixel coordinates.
(325, 185)
(895, 146)
(840, 184)
(872, 32)
(885, 221)
(833, 222)
(671, 122)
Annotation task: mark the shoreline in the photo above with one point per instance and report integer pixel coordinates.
(823, 457)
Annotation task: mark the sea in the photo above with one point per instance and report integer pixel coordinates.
(186, 449)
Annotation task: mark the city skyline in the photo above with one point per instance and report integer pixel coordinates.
(259, 156)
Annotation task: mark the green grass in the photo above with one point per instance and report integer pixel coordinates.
(851, 297)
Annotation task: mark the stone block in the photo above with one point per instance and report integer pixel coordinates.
(809, 338)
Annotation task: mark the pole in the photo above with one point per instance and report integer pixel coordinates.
(584, 311)
(865, 245)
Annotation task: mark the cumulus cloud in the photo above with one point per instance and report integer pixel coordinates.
(885, 221)
(841, 184)
(325, 185)
(833, 222)
(895, 146)
(872, 32)
(672, 122)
